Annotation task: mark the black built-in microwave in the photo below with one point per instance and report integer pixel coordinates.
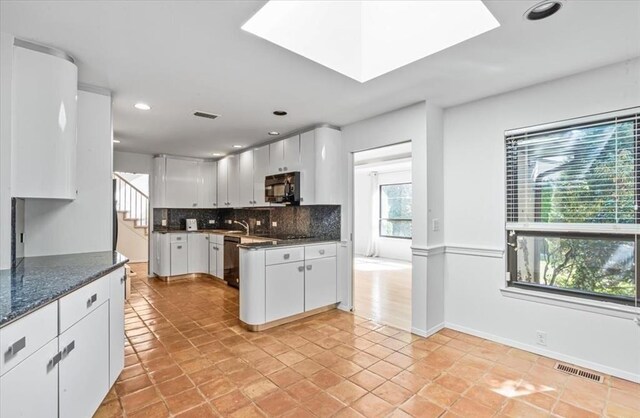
(283, 188)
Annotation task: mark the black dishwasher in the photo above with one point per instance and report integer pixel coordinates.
(232, 261)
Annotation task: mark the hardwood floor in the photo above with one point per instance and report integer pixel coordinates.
(187, 356)
(382, 291)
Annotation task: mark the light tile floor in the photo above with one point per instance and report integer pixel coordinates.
(187, 356)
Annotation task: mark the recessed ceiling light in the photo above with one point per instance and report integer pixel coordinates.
(543, 10)
(274, 133)
(369, 38)
(279, 113)
(216, 154)
(116, 141)
(237, 146)
(142, 106)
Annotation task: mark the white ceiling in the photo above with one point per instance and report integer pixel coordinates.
(182, 56)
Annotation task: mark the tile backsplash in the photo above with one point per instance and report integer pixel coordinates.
(310, 221)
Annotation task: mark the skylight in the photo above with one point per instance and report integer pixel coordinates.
(365, 39)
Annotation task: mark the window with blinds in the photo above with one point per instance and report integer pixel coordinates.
(572, 196)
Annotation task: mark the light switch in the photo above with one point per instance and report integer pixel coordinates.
(164, 222)
(274, 224)
(212, 221)
(258, 223)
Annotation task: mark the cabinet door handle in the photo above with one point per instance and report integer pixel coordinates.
(284, 168)
(321, 252)
(54, 360)
(69, 348)
(16, 347)
(215, 204)
(309, 267)
(178, 238)
(287, 256)
(92, 299)
(301, 268)
(195, 204)
(123, 279)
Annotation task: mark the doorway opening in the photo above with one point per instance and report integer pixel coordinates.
(131, 208)
(382, 233)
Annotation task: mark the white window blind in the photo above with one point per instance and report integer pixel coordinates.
(582, 176)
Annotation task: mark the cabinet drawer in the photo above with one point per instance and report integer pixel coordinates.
(284, 255)
(25, 336)
(83, 301)
(178, 237)
(319, 251)
(217, 238)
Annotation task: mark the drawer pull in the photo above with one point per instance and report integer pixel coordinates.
(179, 247)
(287, 256)
(309, 267)
(55, 360)
(178, 238)
(321, 252)
(16, 347)
(301, 268)
(69, 348)
(92, 299)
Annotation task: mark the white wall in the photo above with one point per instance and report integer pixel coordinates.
(474, 203)
(364, 207)
(132, 242)
(6, 65)
(132, 162)
(85, 224)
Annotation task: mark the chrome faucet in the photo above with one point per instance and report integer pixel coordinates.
(243, 224)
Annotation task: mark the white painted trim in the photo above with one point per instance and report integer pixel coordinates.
(475, 251)
(589, 305)
(419, 332)
(548, 353)
(435, 329)
(421, 251)
(629, 229)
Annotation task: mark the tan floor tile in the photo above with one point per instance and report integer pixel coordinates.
(156, 410)
(285, 377)
(184, 401)
(347, 392)
(326, 378)
(230, 402)
(384, 369)
(367, 380)
(259, 388)
(439, 395)
(392, 393)
(277, 403)
(467, 407)
(372, 406)
(302, 390)
(323, 405)
(249, 411)
(566, 410)
(417, 406)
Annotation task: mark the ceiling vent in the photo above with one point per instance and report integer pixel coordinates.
(579, 372)
(206, 115)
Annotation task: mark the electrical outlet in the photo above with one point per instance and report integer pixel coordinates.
(258, 223)
(229, 221)
(541, 338)
(212, 221)
(436, 224)
(274, 224)
(164, 222)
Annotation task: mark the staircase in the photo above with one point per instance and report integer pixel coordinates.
(132, 207)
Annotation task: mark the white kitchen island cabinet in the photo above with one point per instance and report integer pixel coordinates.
(282, 283)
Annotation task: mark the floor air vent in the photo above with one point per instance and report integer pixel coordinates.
(579, 372)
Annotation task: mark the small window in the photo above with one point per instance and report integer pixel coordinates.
(572, 208)
(395, 210)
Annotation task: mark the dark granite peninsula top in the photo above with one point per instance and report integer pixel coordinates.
(285, 243)
(37, 281)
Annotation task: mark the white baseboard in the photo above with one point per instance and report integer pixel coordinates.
(548, 353)
(428, 332)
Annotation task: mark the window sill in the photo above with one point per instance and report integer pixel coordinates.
(594, 306)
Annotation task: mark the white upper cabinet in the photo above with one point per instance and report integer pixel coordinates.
(181, 182)
(233, 181)
(184, 183)
(291, 154)
(329, 170)
(307, 168)
(208, 185)
(246, 179)
(44, 113)
(276, 157)
(223, 200)
(260, 171)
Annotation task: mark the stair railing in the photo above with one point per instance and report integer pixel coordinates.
(130, 200)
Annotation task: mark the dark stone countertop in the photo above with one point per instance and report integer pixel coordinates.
(37, 281)
(285, 243)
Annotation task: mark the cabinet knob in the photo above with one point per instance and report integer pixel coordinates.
(179, 247)
(195, 204)
(309, 267)
(279, 168)
(321, 252)
(301, 268)
(284, 168)
(178, 238)
(287, 256)
(16, 347)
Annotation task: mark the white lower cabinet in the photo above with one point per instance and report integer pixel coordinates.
(198, 254)
(30, 390)
(69, 374)
(216, 255)
(320, 283)
(116, 325)
(84, 366)
(284, 290)
(179, 258)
